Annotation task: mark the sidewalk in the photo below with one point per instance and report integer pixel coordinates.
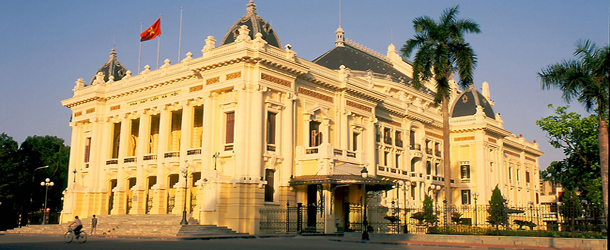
(444, 244)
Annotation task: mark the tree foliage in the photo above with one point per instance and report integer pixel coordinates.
(428, 206)
(578, 138)
(498, 213)
(586, 79)
(441, 51)
(20, 190)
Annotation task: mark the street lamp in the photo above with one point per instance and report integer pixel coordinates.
(32, 189)
(185, 171)
(405, 186)
(365, 234)
(476, 215)
(435, 189)
(46, 183)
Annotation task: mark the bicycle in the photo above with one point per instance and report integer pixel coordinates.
(69, 236)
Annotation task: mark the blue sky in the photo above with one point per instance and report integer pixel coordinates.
(46, 45)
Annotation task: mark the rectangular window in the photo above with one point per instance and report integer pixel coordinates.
(465, 171)
(465, 197)
(510, 173)
(518, 172)
(387, 136)
(527, 176)
(386, 160)
(271, 127)
(413, 165)
(116, 138)
(230, 128)
(398, 138)
(412, 138)
(355, 141)
(87, 149)
(428, 168)
(197, 130)
(315, 136)
(269, 176)
(436, 168)
(397, 163)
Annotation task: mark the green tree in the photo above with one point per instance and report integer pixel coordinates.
(570, 209)
(441, 51)
(11, 184)
(498, 213)
(578, 138)
(429, 215)
(39, 151)
(586, 79)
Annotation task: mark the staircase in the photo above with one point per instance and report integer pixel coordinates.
(153, 225)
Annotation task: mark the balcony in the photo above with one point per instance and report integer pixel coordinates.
(171, 154)
(229, 147)
(271, 148)
(309, 151)
(196, 151)
(387, 140)
(149, 157)
(351, 154)
(429, 151)
(338, 152)
(437, 153)
(130, 159)
(416, 146)
(399, 143)
(112, 162)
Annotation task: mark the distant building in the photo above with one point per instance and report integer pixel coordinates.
(254, 126)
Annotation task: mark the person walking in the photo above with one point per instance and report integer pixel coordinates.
(93, 225)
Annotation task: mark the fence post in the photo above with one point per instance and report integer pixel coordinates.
(299, 218)
(287, 217)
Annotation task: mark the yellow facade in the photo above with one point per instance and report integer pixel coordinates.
(247, 118)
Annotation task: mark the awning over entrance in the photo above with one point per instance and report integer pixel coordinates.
(372, 183)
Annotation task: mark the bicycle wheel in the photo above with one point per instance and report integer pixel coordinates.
(82, 238)
(68, 237)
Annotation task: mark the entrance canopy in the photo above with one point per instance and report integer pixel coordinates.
(372, 183)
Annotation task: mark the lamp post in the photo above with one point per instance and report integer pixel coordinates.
(365, 224)
(185, 172)
(32, 190)
(476, 215)
(435, 189)
(215, 156)
(405, 187)
(46, 184)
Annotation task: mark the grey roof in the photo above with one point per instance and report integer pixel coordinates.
(359, 60)
(466, 104)
(112, 67)
(255, 24)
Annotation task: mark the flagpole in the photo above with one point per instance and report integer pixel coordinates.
(158, 46)
(180, 36)
(140, 56)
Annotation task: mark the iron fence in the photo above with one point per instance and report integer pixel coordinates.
(296, 219)
(459, 219)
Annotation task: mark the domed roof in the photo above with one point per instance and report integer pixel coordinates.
(466, 104)
(112, 67)
(255, 24)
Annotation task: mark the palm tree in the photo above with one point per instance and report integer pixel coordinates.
(442, 50)
(586, 80)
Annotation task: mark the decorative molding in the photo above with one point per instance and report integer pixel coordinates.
(233, 75)
(89, 111)
(315, 94)
(465, 138)
(389, 121)
(437, 135)
(511, 153)
(196, 88)
(77, 114)
(276, 80)
(115, 107)
(212, 80)
(491, 139)
(154, 98)
(530, 159)
(359, 106)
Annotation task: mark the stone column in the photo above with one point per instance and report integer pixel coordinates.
(207, 163)
(139, 197)
(287, 140)
(371, 148)
(121, 188)
(329, 217)
(240, 169)
(185, 143)
(256, 133)
(160, 189)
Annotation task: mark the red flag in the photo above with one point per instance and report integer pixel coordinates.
(152, 32)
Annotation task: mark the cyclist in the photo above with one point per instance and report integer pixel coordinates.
(79, 226)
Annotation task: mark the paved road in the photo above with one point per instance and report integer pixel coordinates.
(9, 241)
